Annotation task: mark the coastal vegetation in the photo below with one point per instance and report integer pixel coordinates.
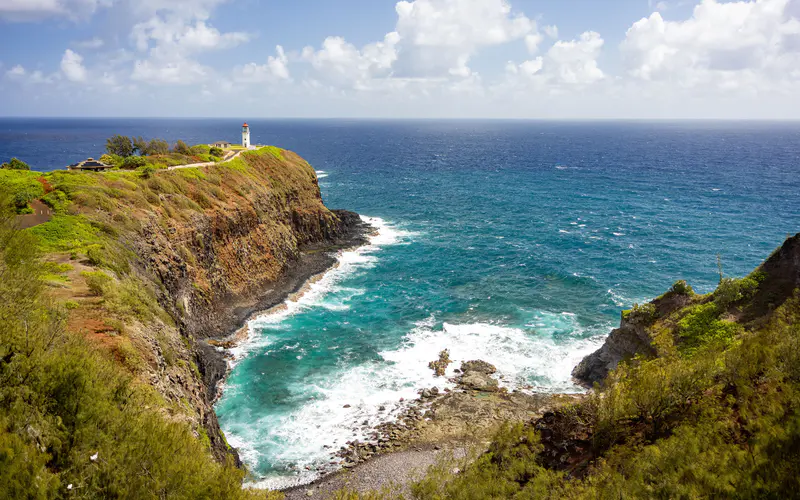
(102, 391)
(715, 413)
(73, 422)
(135, 153)
(15, 164)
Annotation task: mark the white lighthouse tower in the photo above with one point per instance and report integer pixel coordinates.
(246, 135)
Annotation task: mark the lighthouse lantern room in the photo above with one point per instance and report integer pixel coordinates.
(246, 135)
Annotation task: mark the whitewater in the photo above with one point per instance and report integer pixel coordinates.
(518, 244)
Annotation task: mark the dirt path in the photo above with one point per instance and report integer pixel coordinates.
(228, 158)
(41, 214)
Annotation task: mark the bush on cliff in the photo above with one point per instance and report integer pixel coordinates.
(72, 422)
(15, 164)
(715, 416)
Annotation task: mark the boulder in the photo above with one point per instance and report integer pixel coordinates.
(478, 366)
(478, 381)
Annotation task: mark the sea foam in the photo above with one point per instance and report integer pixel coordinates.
(346, 406)
(314, 292)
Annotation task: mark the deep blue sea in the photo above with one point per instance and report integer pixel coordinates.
(513, 242)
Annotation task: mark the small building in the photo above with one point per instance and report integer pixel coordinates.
(90, 164)
(221, 145)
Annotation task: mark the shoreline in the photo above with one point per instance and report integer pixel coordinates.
(453, 424)
(315, 261)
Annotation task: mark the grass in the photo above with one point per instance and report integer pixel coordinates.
(67, 233)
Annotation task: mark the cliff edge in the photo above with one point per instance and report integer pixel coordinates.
(153, 264)
(746, 302)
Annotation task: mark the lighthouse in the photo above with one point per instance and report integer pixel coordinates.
(246, 135)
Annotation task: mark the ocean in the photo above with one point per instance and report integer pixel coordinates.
(518, 243)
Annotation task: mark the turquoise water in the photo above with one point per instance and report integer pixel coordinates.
(516, 243)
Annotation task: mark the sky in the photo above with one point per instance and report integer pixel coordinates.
(517, 59)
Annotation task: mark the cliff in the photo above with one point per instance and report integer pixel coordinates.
(152, 265)
(705, 405)
(746, 302)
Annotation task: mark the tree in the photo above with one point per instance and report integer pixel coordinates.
(182, 148)
(140, 146)
(216, 152)
(157, 147)
(15, 164)
(119, 145)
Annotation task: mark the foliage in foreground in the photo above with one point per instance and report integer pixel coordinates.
(73, 424)
(715, 415)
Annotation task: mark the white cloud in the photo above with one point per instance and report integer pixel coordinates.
(566, 63)
(439, 37)
(33, 10)
(72, 67)
(340, 63)
(731, 45)
(91, 44)
(17, 71)
(433, 41)
(20, 74)
(171, 35)
(179, 36)
(532, 42)
(276, 69)
(575, 62)
(178, 71)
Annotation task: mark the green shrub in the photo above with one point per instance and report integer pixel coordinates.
(57, 200)
(97, 281)
(15, 164)
(681, 288)
(114, 160)
(147, 171)
(702, 326)
(66, 232)
(641, 314)
(182, 148)
(218, 152)
(134, 162)
(732, 290)
(120, 145)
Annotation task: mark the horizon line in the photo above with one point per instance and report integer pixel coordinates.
(367, 118)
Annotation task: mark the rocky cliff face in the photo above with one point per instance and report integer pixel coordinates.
(631, 338)
(777, 278)
(187, 255)
(260, 240)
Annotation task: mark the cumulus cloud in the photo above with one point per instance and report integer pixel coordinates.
(729, 45)
(433, 41)
(340, 63)
(566, 63)
(17, 71)
(72, 67)
(34, 10)
(439, 37)
(171, 35)
(276, 69)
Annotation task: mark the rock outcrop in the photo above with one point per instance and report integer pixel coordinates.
(778, 277)
(632, 338)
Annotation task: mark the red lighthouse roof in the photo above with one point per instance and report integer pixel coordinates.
(245, 124)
